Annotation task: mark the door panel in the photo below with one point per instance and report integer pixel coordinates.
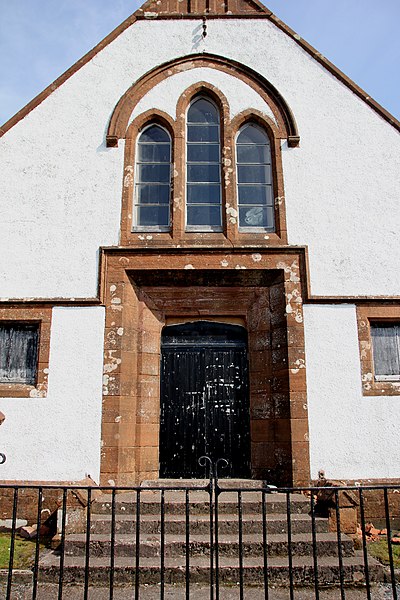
(204, 399)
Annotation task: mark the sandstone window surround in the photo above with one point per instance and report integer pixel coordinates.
(379, 343)
(236, 182)
(24, 351)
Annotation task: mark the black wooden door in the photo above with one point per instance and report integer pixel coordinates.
(204, 399)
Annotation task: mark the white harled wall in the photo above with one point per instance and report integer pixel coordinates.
(61, 187)
(58, 438)
(61, 200)
(351, 436)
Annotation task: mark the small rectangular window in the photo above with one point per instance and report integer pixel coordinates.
(19, 344)
(386, 350)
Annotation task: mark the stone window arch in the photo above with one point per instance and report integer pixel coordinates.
(231, 228)
(268, 194)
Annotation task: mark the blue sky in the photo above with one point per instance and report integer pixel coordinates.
(40, 39)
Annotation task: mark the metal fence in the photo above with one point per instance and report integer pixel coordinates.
(229, 542)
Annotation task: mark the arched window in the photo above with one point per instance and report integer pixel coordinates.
(254, 177)
(203, 159)
(153, 180)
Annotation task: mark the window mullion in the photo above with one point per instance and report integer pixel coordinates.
(397, 333)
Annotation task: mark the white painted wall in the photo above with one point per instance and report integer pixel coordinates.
(58, 438)
(61, 188)
(351, 436)
(61, 199)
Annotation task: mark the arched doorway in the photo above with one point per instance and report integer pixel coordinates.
(204, 399)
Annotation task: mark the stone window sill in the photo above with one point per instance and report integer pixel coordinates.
(19, 390)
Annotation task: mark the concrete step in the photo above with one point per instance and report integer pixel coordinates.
(197, 483)
(200, 524)
(199, 570)
(198, 591)
(199, 501)
(175, 545)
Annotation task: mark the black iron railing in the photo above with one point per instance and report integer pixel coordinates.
(213, 535)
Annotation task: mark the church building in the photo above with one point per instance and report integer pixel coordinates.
(200, 257)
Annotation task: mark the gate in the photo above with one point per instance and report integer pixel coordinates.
(161, 541)
(204, 399)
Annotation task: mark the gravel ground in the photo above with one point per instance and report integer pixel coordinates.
(152, 592)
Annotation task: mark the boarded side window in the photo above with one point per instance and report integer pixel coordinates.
(386, 350)
(18, 352)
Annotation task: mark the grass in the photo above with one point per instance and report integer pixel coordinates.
(24, 552)
(379, 550)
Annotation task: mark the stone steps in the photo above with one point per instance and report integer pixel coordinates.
(176, 506)
(200, 524)
(199, 570)
(200, 503)
(252, 545)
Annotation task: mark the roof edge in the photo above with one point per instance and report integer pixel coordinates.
(25, 110)
(170, 8)
(138, 15)
(334, 70)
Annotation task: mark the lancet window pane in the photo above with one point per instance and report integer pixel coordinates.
(254, 176)
(153, 180)
(203, 175)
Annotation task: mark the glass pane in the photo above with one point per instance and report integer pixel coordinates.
(154, 134)
(256, 216)
(253, 154)
(154, 153)
(254, 174)
(205, 194)
(153, 216)
(18, 353)
(255, 194)
(206, 173)
(156, 173)
(203, 153)
(203, 133)
(206, 215)
(252, 134)
(203, 111)
(385, 349)
(148, 193)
